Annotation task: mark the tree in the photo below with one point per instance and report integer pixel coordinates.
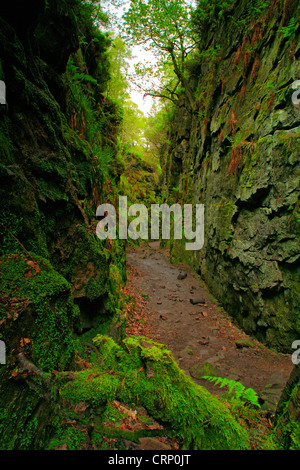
(133, 122)
(157, 129)
(163, 27)
(118, 54)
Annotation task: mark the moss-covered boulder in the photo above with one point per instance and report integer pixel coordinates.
(198, 419)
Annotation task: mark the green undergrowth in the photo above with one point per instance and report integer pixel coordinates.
(121, 372)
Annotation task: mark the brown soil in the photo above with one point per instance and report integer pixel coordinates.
(197, 334)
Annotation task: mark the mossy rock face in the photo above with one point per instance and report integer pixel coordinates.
(25, 418)
(55, 132)
(50, 179)
(286, 433)
(86, 263)
(236, 153)
(168, 395)
(36, 305)
(37, 314)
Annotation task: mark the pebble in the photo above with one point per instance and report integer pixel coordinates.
(197, 301)
(181, 276)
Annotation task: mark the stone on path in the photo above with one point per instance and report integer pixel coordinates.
(244, 343)
(181, 276)
(199, 300)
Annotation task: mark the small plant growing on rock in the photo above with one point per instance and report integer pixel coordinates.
(289, 30)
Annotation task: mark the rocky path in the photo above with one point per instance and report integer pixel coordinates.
(173, 307)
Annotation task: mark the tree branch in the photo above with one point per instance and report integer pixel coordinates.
(160, 95)
(28, 367)
(182, 78)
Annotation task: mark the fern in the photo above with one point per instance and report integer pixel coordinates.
(235, 389)
(290, 29)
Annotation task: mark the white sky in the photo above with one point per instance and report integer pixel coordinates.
(140, 55)
(144, 104)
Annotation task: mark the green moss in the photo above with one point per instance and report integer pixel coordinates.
(31, 285)
(5, 141)
(58, 143)
(169, 395)
(70, 438)
(286, 433)
(23, 417)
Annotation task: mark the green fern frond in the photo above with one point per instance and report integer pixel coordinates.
(235, 388)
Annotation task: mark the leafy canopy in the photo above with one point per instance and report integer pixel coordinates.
(159, 24)
(165, 28)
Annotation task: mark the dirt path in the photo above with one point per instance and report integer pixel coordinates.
(202, 337)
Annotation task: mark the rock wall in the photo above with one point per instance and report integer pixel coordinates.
(287, 418)
(237, 152)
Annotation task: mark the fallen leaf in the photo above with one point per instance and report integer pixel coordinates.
(24, 341)
(80, 407)
(62, 447)
(34, 266)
